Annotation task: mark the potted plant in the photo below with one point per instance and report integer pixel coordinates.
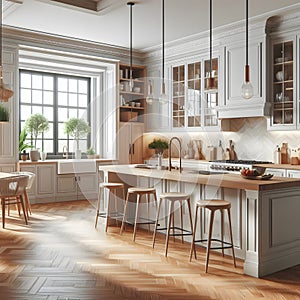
(23, 145)
(36, 125)
(159, 145)
(4, 113)
(77, 128)
(90, 153)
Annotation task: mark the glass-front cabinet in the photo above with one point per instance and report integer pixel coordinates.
(283, 85)
(193, 104)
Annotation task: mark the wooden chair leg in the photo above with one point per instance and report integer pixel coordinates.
(156, 222)
(148, 204)
(108, 210)
(136, 215)
(193, 248)
(211, 222)
(124, 214)
(23, 208)
(231, 238)
(222, 230)
(27, 204)
(171, 216)
(181, 220)
(3, 212)
(100, 195)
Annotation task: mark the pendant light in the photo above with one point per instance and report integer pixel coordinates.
(130, 4)
(163, 98)
(211, 82)
(150, 96)
(247, 88)
(5, 93)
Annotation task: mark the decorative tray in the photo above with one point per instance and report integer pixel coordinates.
(259, 177)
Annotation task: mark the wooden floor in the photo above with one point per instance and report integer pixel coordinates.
(60, 255)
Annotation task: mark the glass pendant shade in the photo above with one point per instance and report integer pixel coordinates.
(150, 96)
(247, 90)
(163, 98)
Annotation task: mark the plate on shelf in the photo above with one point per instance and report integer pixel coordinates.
(258, 177)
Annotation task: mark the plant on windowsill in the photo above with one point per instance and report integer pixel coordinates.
(23, 145)
(35, 125)
(159, 145)
(91, 153)
(77, 128)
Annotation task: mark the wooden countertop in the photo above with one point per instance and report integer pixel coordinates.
(51, 161)
(234, 181)
(281, 166)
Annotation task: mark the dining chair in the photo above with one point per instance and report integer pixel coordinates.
(12, 190)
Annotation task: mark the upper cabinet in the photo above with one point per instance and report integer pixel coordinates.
(283, 85)
(232, 104)
(192, 104)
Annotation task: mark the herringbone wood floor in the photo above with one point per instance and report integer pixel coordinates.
(60, 255)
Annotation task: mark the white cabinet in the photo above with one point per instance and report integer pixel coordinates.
(276, 172)
(233, 105)
(77, 187)
(44, 187)
(293, 174)
(131, 142)
(283, 94)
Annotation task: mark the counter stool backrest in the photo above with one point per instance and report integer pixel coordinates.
(13, 186)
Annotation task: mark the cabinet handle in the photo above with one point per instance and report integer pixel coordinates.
(129, 148)
(132, 148)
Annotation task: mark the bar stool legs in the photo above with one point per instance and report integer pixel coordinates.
(212, 206)
(138, 192)
(172, 197)
(112, 189)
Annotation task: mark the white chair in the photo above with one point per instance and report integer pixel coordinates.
(12, 190)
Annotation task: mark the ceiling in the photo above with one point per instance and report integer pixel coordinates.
(107, 21)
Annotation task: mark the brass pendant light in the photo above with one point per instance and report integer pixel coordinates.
(163, 98)
(5, 92)
(247, 88)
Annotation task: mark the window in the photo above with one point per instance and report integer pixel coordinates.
(58, 97)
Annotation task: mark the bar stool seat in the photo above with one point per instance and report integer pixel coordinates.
(138, 192)
(112, 188)
(213, 205)
(172, 197)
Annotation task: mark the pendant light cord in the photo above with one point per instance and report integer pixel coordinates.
(130, 37)
(246, 32)
(210, 37)
(163, 40)
(1, 25)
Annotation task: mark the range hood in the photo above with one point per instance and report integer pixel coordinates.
(245, 109)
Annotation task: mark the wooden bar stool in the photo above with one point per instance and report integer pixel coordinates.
(112, 187)
(139, 193)
(172, 197)
(213, 205)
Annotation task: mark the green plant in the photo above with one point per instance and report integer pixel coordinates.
(76, 128)
(158, 144)
(35, 125)
(4, 114)
(90, 151)
(22, 139)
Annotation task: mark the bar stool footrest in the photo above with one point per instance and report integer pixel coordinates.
(147, 221)
(184, 231)
(112, 215)
(216, 240)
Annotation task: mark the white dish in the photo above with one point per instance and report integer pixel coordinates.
(279, 76)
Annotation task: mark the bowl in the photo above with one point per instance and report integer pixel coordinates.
(137, 104)
(279, 76)
(137, 89)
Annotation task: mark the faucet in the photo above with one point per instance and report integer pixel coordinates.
(65, 152)
(170, 153)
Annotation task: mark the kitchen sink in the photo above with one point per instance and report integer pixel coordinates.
(203, 172)
(68, 166)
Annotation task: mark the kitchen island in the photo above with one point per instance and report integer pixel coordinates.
(265, 213)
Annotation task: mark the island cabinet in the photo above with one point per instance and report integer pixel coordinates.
(233, 105)
(264, 213)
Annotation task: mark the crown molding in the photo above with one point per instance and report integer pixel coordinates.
(26, 37)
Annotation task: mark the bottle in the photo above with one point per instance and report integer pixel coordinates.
(159, 161)
(277, 155)
(284, 154)
(220, 151)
